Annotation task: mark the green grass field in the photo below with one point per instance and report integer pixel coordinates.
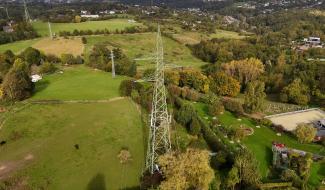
(41, 138)
(112, 25)
(78, 83)
(18, 46)
(261, 141)
(143, 45)
(48, 134)
(226, 34)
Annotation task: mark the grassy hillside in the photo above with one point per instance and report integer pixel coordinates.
(143, 45)
(18, 46)
(41, 143)
(78, 83)
(113, 24)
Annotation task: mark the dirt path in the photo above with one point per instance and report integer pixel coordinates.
(75, 101)
(8, 167)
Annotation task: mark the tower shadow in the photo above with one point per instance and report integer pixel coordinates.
(97, 183)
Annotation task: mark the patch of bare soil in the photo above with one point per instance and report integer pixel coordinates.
(8, 168)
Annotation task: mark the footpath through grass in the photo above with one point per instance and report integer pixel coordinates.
(111, 25)
(41, 142)
(78, 83)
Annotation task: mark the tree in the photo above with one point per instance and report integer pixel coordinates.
(185, 114)
(224, 85)
(296, 92)
(195, 127)
(244, 71)
(32, 56)
(84, 40)
(305, 133)
(248, 171)
(172, 77)
(254, 96)
(194, 79)
(232, 178)
(188, 170)
(77, 19)
(17, 84)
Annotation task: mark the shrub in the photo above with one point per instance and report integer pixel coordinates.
(185, 114)
(84, 40)
(172, 77)
(52, 58)
(224, 85)
(47, 68)
(126, 87)
(233, 106)
(195, 127)
(305, 133)
(216, 108)
(296, 92)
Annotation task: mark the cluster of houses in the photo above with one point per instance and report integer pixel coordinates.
(310, 42)
(87, 14)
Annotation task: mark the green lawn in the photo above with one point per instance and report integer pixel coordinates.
(112, 25)
(261, 141)
(143, 46)
(226, 34)
(78, 83)
(47, 134)
(18, 46)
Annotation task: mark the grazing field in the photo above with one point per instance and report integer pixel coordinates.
(78, 83)
(60, 45)
(111, 25)
(191, 38)
(292, 119)
(226, 34)
(73, 146)
(18, 46)
(143, 46)
(261, 141)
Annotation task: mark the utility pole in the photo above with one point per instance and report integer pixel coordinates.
(27, 17)
(159, 136)
(50, 30)
(113, 64)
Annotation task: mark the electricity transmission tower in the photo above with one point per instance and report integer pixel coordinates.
(159, 137)
(113, 64)
(50, 30)
(27, 17)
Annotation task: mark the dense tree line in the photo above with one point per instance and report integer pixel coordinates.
(99, 58)
(22, 31)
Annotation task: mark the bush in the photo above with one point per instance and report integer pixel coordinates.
(296, 92)
(47, 68)
(52, 58)
(69, 59)
(233, 106)
(185, 114)
(305, 133)
(126, 87)
(84, 40)
(224, 85)
(195, 127)
(216, 108)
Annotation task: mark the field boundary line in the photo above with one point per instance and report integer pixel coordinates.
(75, 101)
(294, 112)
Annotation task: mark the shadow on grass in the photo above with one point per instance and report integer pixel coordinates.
(97, 183)
(40, 86)
(131, 188)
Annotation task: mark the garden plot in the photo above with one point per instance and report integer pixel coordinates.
(290, 120)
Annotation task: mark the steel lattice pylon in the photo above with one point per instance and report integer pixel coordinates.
(159, 137)
(27, 17)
